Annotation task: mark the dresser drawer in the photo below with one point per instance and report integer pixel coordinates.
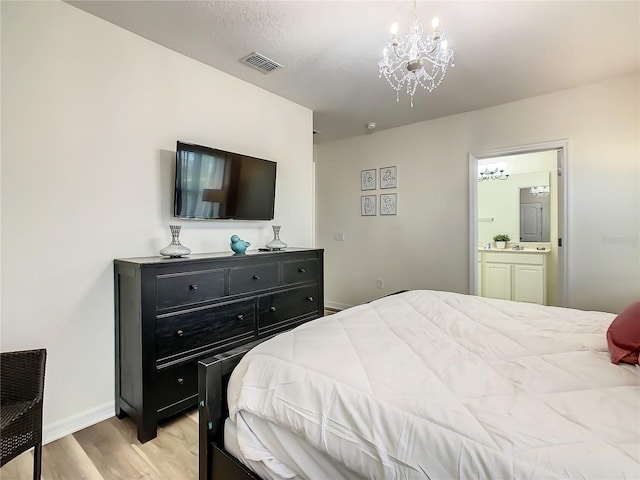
(188, 288)
(179, 333)
(300, 271)
(279, 309)
(250, 279)
(176, 383)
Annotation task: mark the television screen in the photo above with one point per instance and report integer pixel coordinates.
(215, 184)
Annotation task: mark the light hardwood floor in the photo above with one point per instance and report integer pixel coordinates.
(110, 450)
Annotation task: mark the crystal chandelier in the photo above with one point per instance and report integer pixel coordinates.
(540, 191)
(492, 173)
(413, 60)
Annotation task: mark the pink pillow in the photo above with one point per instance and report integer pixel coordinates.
(623, 335)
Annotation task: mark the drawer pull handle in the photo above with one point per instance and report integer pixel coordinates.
(180, 333)
(256, 277)
(273, 309)
(309, 299)
(240, 317)
(181, 381)
(302, 270)
(193, 287)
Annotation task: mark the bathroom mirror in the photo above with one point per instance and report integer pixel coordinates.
(518, 206)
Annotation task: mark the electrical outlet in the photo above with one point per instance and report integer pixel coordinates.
(380, 283)
(338, 237)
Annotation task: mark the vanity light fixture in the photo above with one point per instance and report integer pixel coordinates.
(540, 191)
(492, 173)
(412, 60)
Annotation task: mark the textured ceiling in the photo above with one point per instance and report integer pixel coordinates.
(504, 50)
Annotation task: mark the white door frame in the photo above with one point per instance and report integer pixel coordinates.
(562, 147)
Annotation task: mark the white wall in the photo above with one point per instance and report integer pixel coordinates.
(90, 118)
(426, 245)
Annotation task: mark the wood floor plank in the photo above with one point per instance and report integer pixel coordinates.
(193, 415)
(109, 448)
(174, 452)
(65, 459)
(20, 468)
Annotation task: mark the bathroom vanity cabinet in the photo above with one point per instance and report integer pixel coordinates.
(514, 275)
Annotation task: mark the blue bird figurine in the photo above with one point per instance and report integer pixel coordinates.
(238, 245)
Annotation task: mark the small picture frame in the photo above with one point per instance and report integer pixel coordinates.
(368, 179)
(388, 204)
(368, 205)
(389, 177)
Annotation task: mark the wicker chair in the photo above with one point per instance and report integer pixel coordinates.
(21, 392)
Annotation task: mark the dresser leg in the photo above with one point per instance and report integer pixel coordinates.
(147, 430)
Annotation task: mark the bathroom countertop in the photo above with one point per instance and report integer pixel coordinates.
(511, 250)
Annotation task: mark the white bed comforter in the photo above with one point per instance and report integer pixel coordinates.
(440, 385)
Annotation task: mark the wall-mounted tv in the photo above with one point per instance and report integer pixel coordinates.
(216, 184)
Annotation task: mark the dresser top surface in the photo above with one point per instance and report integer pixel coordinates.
(213, 255)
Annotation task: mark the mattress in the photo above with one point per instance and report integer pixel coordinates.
(273, 452)
(428, 384)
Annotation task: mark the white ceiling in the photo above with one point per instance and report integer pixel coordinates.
(504, 50)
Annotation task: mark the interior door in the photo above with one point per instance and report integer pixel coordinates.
(531, 222)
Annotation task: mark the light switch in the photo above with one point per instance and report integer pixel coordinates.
(338, 236)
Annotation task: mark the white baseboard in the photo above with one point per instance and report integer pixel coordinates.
(72, 424)
(336, 305)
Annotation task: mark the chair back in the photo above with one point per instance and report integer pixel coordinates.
(22, 375)
(21, 395)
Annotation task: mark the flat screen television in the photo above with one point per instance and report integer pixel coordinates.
(216, 184)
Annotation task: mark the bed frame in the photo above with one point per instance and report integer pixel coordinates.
(215, 463)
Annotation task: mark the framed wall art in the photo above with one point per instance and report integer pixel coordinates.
(389, 177)
(388, 204)
(368, 179)
(368, 205)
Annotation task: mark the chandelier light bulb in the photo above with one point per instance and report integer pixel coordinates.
(435, 23)
(394, 28)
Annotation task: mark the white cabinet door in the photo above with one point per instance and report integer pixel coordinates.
(479, 278)
(529, 284)
(497, 280)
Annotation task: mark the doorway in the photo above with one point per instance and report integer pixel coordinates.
(519, 160)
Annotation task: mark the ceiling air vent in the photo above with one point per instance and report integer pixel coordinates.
(260, 62)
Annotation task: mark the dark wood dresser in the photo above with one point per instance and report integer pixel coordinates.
(172, 312)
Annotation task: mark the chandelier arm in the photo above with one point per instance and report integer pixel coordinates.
(435, 47)
(398, 67)
(435, 61)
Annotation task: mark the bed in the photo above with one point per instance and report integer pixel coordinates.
(426, 384)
